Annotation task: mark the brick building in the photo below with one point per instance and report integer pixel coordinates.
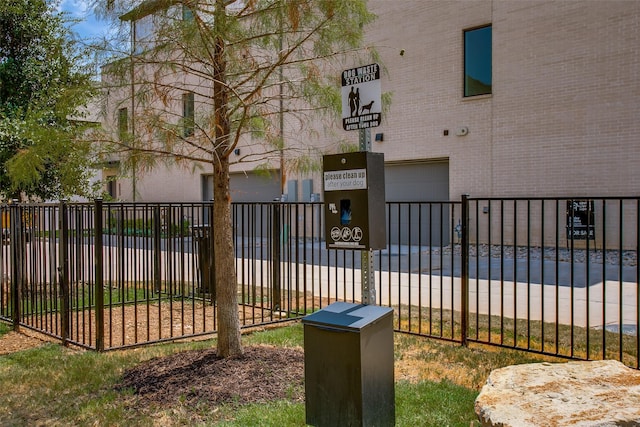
(490, 98)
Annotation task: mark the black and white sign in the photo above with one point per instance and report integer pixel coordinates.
(361, 97)
(581, 220)
(347, 237)
(353, 179)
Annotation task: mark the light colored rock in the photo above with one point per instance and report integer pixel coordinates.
(599, 393)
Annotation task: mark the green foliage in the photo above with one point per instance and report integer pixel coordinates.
(42, 87)
(278, 66)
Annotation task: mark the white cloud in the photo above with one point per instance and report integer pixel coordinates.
(76, 8)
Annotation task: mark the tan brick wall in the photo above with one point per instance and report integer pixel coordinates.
(563, 116)
(562, 119)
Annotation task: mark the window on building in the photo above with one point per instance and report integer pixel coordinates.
(123, 123)
(477, 61)
(188, 113)
(143, 37)
(112, 187)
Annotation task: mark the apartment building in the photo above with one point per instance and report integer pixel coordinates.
(492, 98)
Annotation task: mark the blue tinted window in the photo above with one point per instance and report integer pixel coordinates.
(477, 61)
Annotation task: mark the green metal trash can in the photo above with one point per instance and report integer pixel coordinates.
(348, 366)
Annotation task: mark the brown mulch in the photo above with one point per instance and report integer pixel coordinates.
(16, 341)
(264, 373)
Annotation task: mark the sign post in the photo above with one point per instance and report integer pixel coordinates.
(362, 110)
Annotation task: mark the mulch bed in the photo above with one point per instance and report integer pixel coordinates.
(15, 341)
(264, 373)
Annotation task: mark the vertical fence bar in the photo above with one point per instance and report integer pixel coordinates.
(15, 224)
(63, 268)
(542, 282)
(157, 228)
(515, 273)
(478, 250)
(620, 279)
(464, 259)
(276, 257)
(489, 276)
(637, 214)
(528, 274)
(501, 271)
(604, 279)
(99, 270)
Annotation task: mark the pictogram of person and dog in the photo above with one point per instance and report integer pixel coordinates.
(354, 103)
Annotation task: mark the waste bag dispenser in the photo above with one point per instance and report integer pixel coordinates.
(354, 200)
(348, 366)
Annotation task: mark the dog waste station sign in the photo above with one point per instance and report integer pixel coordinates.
(361, 97)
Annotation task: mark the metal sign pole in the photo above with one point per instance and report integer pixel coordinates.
(367, 280)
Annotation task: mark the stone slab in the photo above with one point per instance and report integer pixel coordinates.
(594, 394)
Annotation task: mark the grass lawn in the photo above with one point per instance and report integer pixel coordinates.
(436, 385)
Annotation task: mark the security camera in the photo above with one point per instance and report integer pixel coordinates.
(462, 131)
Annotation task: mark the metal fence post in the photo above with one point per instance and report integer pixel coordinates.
(15, 226)
(157, 235)
(276, 257)
(99, 274)
(63, 270)
(464, 270)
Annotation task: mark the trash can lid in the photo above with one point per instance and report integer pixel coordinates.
(344, 315)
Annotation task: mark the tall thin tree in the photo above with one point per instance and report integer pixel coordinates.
(248, 64)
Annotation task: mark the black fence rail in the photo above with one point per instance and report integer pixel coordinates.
(550, 275)
(555, 275)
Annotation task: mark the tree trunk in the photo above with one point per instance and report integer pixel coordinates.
(229, 344)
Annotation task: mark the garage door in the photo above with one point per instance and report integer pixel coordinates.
(417, 182)
(249, 187)
(418, 224)
(250, 219)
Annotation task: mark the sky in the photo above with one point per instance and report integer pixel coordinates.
(89, 27)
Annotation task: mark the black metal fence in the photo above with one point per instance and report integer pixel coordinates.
(550, 275)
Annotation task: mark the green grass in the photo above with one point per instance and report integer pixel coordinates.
(55, 385)
(82, 297)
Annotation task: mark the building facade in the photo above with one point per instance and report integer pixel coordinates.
(489, 98)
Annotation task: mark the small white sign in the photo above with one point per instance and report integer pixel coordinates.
(352, 179)
(361, 97)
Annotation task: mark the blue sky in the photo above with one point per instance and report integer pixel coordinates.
(89, 27)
